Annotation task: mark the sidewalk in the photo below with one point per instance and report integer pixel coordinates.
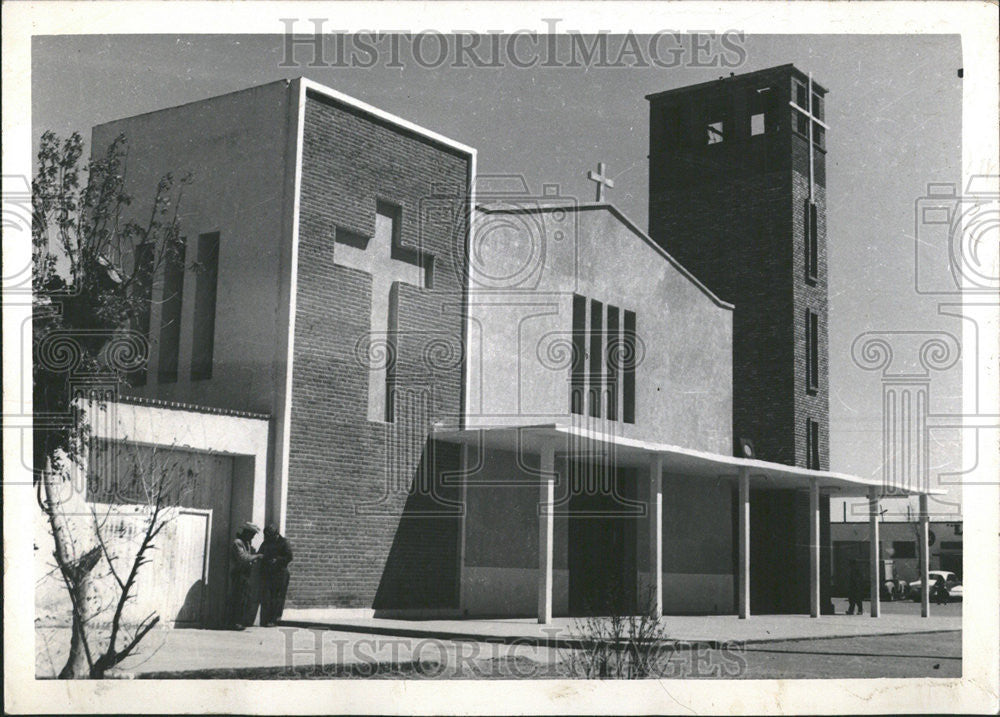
(393, 642)
(710, 630)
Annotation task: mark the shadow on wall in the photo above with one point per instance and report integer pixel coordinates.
(191, 610)
(422, 570)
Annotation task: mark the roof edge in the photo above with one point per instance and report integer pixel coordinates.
(788, 66)
(618, 214)
(388, 117)
(189, 103)
(189, 407)
(654, 448)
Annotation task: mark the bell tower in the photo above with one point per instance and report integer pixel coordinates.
(737, 193)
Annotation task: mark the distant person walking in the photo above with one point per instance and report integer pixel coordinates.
(939, 591)
(856, 589)
(276, 552)
(241, 560)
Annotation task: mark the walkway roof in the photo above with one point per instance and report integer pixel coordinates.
(588, 444)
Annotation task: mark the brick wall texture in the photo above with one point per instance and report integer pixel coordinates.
(369, 513)
(734, 213)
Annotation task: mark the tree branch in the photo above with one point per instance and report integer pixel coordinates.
(99, 532)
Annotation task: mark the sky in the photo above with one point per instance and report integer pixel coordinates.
(894, 110)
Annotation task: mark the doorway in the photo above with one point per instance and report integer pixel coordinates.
(601, 551)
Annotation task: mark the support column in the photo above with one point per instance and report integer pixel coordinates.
(546, 528)
(873, 517)
(656, 536)
(814, 550)
(925, 558)
(744, 541)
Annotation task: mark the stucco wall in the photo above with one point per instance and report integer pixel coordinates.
(697, 545)
(525, 268)
(237, 148)
(500, 571)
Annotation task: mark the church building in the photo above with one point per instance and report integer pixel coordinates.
(459, 398)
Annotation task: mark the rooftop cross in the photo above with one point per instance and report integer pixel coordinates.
(601, 181)
(387, 262)
(813, 119)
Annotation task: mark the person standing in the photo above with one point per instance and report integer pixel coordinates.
(856, 589)
(241, 560)
(277, 554)
(939, 591)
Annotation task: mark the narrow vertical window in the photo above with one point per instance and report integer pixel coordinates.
(757, 101)
(578, 375)
(628, 365)
(801, 101)
(819, 134)
(812, 351)
(817, 106)
(596, 354)
(812, 242)
(143, 296)
(203, 341)
(812, 444)
(612, 361)
(170, 316)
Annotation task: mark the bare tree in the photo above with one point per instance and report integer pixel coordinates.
(93, 271)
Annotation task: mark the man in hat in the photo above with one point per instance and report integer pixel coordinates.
(241, 560)
(277, 554)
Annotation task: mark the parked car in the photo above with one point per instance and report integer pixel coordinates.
(951, 582)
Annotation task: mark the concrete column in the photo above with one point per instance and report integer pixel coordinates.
(546, 528)
(814, 551)
(656, 535)
(744, 541)
(873, 517)
(925, 558)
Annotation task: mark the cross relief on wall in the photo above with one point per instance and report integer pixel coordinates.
(383, 257)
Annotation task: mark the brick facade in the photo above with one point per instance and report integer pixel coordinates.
(734, 213)
(370, 519)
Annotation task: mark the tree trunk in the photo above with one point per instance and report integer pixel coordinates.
(75, 571)
(77, 666)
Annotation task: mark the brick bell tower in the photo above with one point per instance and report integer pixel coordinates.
(737, 193)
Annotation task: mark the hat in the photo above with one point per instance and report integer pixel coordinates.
(253, 527)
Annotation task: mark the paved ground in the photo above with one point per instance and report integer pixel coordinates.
(898, 644)
(185, 650)
(919, 655)
(263, 654)
(896, 618)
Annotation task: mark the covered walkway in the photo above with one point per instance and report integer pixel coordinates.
(548, 442)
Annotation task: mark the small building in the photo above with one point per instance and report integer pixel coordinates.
(900, 544)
